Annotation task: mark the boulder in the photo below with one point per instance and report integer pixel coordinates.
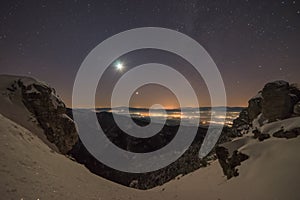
(287, 134)
(260, 136)
(50, 112)
(228, 163)
(277, 102)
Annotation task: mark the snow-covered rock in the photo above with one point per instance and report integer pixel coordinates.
(45, 107)
(277, 101)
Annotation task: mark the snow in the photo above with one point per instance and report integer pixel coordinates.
(29, 169)
(286, 125)
(271, 172)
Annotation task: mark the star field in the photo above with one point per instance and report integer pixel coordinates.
(252, 42)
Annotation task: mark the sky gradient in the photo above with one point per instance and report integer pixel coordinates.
(252, 42)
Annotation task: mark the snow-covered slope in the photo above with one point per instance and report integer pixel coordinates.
(271, 173)
(36, 106)
(30, 169)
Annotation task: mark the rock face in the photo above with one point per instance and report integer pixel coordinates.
(241, 124)
(50, 112)
(228, 163)
(277, 101)
(255, 106)
(297, 109)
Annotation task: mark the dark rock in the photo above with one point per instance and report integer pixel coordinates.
(247, 115)
(50, 112)
(256, 133)
(263, 136)
(260, 136)
(229, 164)
(254, 107)
(287, 134)
(280, 133)
(277, 102)
(297, 109)
(291, 134)
(295, 91)
(241, 124)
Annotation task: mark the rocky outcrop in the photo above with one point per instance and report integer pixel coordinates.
(229, 163)
(241, 124)
(277, 101)
(260, 136)
(49, 111)
(287, 134)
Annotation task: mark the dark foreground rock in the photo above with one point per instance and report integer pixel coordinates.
(287, 134)
(260, 136)
(50, 112)
(229, 163)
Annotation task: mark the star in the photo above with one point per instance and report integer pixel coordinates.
(119, 66)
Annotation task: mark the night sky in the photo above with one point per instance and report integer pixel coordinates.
(252, 42)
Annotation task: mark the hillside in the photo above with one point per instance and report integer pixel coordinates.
(32, 167)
